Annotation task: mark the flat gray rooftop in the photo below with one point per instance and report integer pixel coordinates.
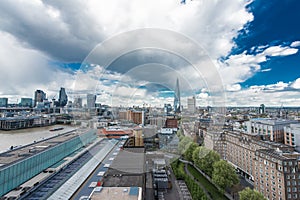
(127, 169)
(12, 156)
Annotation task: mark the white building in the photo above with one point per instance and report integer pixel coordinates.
(91, 100)
(292, 135)
(270, 129)
(191, 104)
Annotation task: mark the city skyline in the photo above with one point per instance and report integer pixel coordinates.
(254, 46)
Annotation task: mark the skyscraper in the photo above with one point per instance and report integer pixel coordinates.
(39, 96)
(26, 102)
(91, 100)
(3, 102)
(177, 104)
(77, 102)
(63, 98)
(191, 104)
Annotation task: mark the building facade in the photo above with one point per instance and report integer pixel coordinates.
(268, 165)
(63, 98)
(35, 160)
(292, 135)
(91, 100)
(26, 102)
(39, 97)
(3, 102)
(77, 102)
(277, 174)
(191, 104)
(269, 129)
(177, 102)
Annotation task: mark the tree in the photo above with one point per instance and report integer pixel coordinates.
(224, 174)
(248, 194)
(204, 159)
(183, 144)
(188, 154)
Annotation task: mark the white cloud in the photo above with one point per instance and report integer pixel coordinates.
(266, 70)
(238, 68)
(32, 33)
(279, 51)
(233, 88)
(295, 44)
(270, 95)
(296, 84)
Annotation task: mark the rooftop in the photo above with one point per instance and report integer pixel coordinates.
(124, 193)
(127, 169)
(15, 155)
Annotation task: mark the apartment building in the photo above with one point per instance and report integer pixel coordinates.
(277, 174)
(292, 135)
(270, 129)
(260, 161)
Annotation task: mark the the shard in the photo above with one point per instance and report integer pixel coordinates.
(177, 105)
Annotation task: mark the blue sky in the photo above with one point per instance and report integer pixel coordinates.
(275, 22)
(253, 46)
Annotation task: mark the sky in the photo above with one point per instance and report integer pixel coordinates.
(224, 52)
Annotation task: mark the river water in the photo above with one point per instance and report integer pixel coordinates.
(26, 136)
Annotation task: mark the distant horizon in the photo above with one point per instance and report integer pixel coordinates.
(245, 51)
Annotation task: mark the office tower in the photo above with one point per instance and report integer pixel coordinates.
(77, 102)
(26, 102)
(167, 109)
(262, 109)
(3, 102)
(63, 98)
(39, 97)
(91, 100)
(177, 104)
(191, 104)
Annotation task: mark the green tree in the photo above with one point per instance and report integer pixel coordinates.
(224, 174)
(204, 159)
(248, 194)
(183, 144)
(188, 154)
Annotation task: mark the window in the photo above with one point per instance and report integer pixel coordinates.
(294, 189)
(293, 177)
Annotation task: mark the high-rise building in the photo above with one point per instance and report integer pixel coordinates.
(91, 100)
(39, 97)
(26, 102)
(167, 109)
(77, 102)
(63, 98)
(191, 104)
(262, 109)
(3, 102)
(177, 103)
